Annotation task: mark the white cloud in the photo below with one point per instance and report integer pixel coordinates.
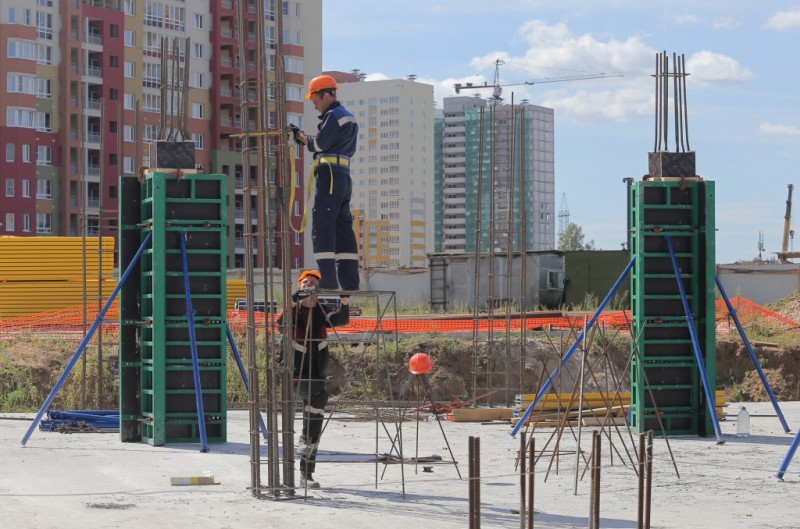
(687, 19)
(726, 23)
(707, 67)
(777, 129)
(619, 105)
(784, 19)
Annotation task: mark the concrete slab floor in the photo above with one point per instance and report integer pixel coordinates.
(84, 480)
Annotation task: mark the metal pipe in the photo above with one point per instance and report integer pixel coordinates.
(752, 354)
(524, 418)
(198, 390)
(98, 320)
(710, 400)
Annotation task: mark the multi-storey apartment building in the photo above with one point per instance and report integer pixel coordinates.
(510, 150)
(392, 170)
(83, 100)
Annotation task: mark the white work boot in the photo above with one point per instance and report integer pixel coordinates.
(308, 482)
(304, 448)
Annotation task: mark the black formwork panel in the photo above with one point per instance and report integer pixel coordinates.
(665, 374)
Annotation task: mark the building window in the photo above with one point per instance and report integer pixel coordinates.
(114, 31)
(285, 8)
(113, 94)
(127, 164)
(26, 222)
(127, 132)
(197, 110)
(128, 102)
(43, 155)
(130, 7)
(112, 159)
(112, 127)
(12, 15)
(9, 187)
(129, 38)
(130, 69)
(297, 9)
(197, 21)
(9, 222)
(43, 188)
(199, 141)
(196, 80)
(44, 223)
(26, 188)
(26, 153)
(9, 152)
(197, 50)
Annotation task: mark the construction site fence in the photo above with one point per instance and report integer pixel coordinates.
(71, 323)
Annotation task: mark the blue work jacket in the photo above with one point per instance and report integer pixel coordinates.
(337, 133)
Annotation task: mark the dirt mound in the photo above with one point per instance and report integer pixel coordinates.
(788, 306)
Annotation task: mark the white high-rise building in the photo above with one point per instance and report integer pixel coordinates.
(392, 170)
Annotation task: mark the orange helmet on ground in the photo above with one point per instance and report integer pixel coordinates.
(309, 273)
(319, 83)
(420, 364)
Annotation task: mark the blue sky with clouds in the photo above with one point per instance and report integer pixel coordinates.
(743, 90)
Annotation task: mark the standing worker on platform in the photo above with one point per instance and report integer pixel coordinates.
(309, 324)
(332, 236)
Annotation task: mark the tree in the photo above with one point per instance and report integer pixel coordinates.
(572, 239)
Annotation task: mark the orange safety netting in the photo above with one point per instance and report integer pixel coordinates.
(71, 323)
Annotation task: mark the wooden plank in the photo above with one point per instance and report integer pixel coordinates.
(479, 414)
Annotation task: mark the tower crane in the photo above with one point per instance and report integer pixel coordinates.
(497, 86)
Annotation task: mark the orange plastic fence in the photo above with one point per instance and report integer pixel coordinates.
(70, 323)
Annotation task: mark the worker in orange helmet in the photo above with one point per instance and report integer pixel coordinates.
(332, 235)
(309, 326)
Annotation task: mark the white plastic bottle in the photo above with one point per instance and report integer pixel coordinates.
(743, 423)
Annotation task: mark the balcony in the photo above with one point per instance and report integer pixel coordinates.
(93, 104)
(93, 71)
(227, 4)
(94, 38)
(92, 170)
(91, 137)
(93, 202)
(226, 33)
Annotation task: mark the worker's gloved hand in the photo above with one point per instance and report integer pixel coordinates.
(302, 294)
(296, 132)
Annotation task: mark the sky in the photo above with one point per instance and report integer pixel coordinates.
(743, 91)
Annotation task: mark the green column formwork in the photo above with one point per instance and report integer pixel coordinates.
(165, 402)
(685, 212)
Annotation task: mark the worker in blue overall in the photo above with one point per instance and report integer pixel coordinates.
(332, 236)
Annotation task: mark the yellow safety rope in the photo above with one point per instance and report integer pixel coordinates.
(304, 221)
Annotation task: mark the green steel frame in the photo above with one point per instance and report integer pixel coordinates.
(665, 364)
(157, 403)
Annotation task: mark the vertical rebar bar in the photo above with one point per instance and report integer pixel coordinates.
(640, 496)
(580, 402)
(477, 267)
(596, 468)
(474, 482)
(522, 479)
(531, 465)
(649, 483)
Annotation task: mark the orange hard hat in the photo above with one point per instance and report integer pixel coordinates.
(319, 83)
(306, 273)
(420, 363)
